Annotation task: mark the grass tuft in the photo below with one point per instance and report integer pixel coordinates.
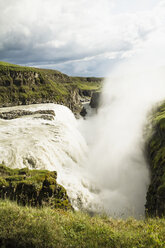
(31, 227)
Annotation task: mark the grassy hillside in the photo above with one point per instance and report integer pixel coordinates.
(89, 83)
(29, 227)
(26, 85)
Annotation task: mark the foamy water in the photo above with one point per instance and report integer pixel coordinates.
(56, 144)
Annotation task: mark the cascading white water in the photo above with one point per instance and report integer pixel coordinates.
(33, 142)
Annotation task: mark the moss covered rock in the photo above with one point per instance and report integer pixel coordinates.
(33, 188)
(155, 205)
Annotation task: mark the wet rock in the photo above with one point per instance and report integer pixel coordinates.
(85, 93)
(94, 103)
(45, 114)
(45, 117)
(83, 112)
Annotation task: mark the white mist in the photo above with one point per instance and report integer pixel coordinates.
(115, 134)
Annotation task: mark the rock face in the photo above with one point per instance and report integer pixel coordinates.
(94, 103)
(24, 85)
(83, 112)
(30, 87)
(155, 204)
(33, 188)
(87, 93)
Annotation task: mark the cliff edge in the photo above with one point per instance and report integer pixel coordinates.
(35, 188)
(27, 85)
(155, 149)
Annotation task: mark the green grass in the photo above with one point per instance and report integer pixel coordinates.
(30, 227)
(83, 83)
(5, 66)
(90, 83)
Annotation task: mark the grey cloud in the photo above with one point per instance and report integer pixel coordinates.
(63, 34)
(88, 67)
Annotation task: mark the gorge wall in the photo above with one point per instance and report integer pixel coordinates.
(24, 85)
(155, 152)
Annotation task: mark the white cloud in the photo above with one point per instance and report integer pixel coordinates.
(128, 6)
(56, 31)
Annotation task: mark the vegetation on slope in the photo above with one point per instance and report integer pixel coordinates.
(89, 83)
(26, 85)
(31, 227)
(33, 188)
(156, 157)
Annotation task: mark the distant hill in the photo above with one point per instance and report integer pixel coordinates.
(28, 85)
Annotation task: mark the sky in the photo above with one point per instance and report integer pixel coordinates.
(78, 37)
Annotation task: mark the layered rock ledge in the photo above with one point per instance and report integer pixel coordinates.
(47, 114)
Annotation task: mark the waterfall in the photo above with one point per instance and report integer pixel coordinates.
(99, 160)
(38, 142)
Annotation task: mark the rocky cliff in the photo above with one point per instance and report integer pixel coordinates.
(155, 149)
(94, 103)
(35, 188)
(95, 100)
(26, 85)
